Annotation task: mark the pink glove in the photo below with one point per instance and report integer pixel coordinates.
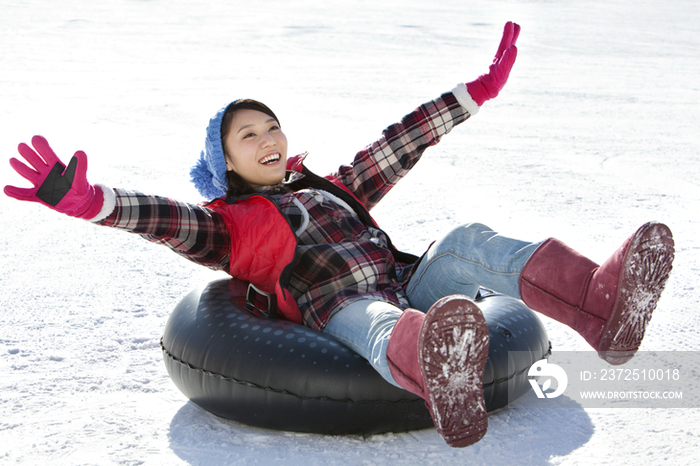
(488, 86)
(65, 190)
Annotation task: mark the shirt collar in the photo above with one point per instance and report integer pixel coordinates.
(282, 187)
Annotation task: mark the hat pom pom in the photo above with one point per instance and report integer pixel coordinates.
(203, 179)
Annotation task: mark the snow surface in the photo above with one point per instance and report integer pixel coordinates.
(596, 133)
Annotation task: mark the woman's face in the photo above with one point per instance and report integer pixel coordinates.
(256, 148)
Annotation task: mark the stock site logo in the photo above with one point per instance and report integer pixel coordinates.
(547, 372)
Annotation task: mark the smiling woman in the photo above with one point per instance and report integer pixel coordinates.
(310, 247)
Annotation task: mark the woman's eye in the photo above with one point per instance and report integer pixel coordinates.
(249, 135)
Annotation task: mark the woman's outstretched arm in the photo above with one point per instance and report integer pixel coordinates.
(195, 232)
(378, 167)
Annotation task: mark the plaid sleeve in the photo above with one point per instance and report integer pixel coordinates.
(379, 166)
(196, 233)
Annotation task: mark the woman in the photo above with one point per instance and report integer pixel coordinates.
(309, 244)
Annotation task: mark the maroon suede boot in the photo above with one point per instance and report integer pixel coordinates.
(609, 305)
(440, 356)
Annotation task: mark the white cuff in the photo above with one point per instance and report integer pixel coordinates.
(465, 100)
(108, 205)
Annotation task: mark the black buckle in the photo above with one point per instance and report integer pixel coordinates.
(253, 303)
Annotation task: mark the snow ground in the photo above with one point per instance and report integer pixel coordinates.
(596, 133)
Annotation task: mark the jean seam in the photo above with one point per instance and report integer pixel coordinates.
(462, 259)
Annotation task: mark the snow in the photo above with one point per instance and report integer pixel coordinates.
(595, 133)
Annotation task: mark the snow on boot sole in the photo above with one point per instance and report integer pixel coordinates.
(645, 269)
(453, 350)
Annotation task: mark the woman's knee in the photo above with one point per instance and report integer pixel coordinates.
(468, 234)
(463, 242)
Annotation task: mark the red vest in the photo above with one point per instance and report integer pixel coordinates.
(262, 247)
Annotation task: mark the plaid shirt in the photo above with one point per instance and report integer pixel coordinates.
(340, 259)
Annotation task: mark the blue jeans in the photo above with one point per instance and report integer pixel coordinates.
(468, 257)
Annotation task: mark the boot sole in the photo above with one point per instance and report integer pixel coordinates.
(645, 269)
(453, 349)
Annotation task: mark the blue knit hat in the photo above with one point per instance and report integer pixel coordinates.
(209, 173)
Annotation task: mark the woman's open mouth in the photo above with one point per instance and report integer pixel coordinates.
(270, 159)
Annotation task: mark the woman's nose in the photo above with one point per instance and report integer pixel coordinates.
(267, 140)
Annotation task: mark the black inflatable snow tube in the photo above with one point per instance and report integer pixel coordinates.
(279, 375)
